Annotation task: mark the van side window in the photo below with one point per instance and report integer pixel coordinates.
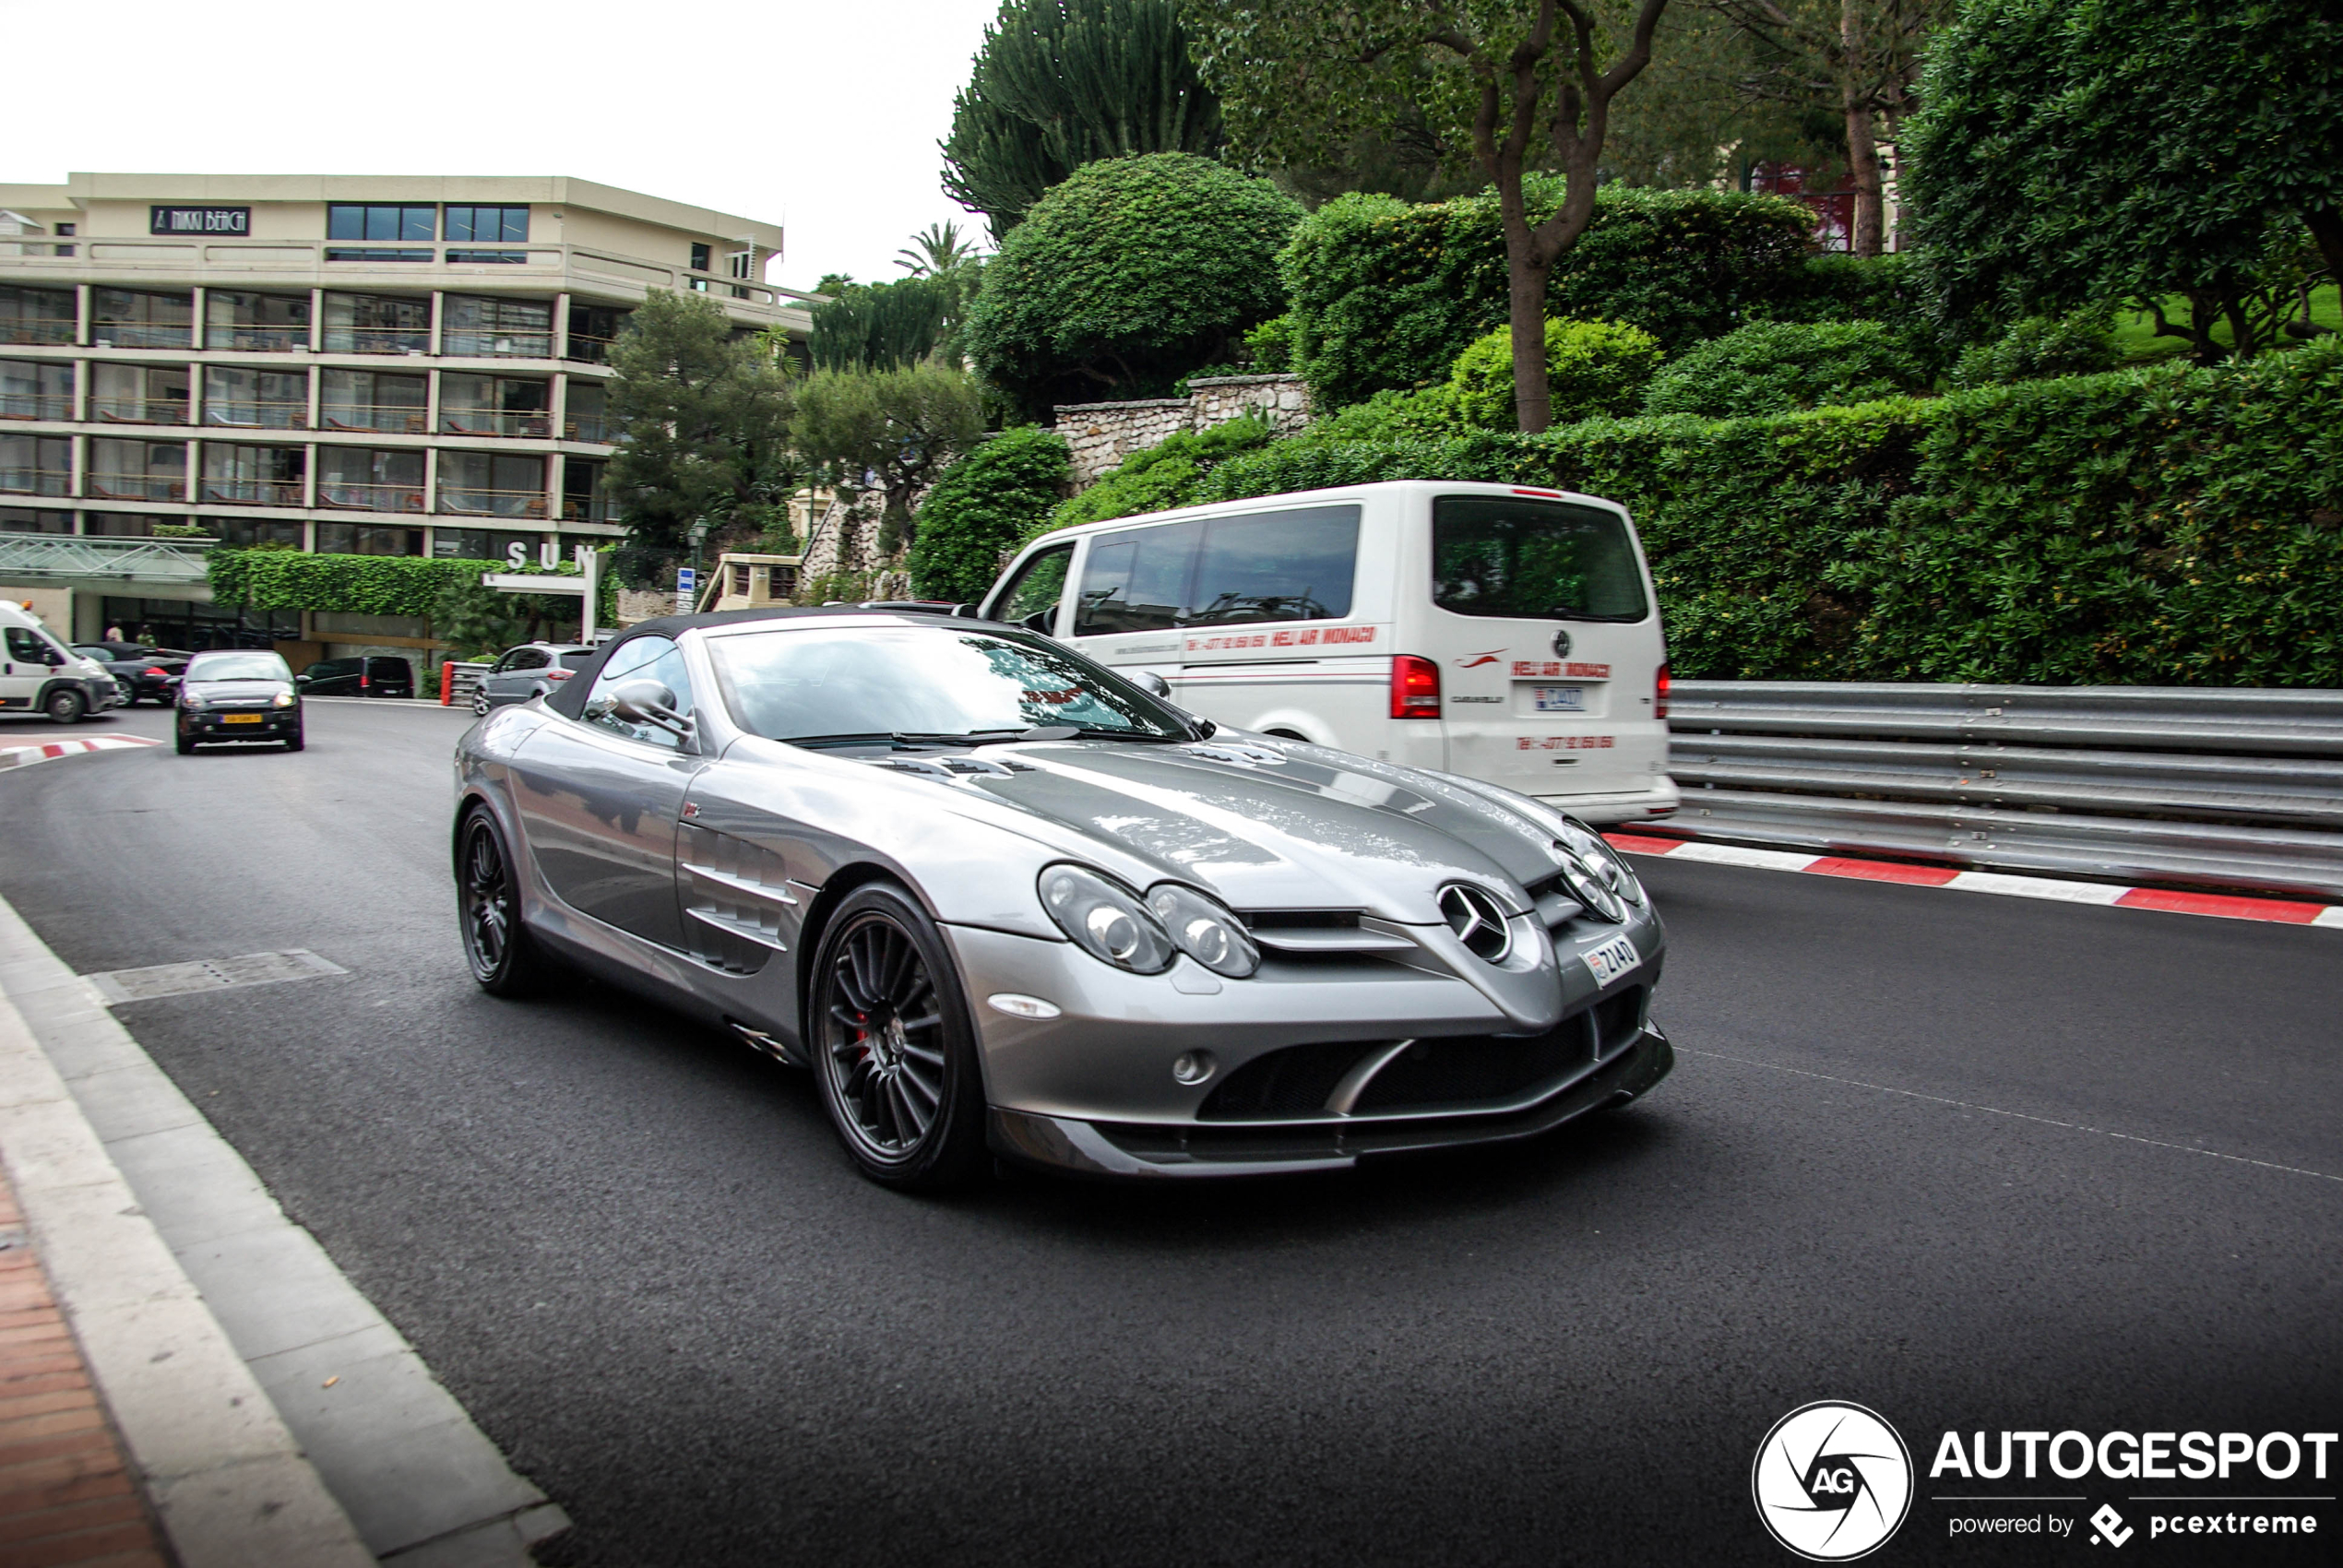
(1036, 590)
(1292, 565)
(1137, 580)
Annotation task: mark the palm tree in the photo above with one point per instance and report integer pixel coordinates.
(936, 250)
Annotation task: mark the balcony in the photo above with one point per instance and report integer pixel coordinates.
(35, 482)
(133, 487)
(532, 424)
(377, 341)
(587, 509)
(588, 427)
(248, 413)
(36, 406)
(39, 330)
(253, 492)
(392, 419)
(140, 334)
(256, 339)
(486, 345)
(472, 502)
(368, 497)
(586, 348)
(136, 410)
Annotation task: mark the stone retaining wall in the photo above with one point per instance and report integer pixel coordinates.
(1102, 434)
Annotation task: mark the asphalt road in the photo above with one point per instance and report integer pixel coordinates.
(1976, 1162)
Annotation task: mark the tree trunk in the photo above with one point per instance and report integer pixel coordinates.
(1862, 165)
(1525, 313)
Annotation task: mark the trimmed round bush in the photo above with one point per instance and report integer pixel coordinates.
(1772, 367)
(1592, 368)
(1127, 276)
(2042, 347)
(981, 506)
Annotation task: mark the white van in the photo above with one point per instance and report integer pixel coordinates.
(1496, 631)
(40, 674)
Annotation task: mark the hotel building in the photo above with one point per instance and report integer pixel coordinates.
(369, 365)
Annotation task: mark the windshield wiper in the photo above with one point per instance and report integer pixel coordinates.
(909, 740)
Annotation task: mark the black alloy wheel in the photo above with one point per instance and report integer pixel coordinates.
(893, 1044)
(65, 705)
(504, 959)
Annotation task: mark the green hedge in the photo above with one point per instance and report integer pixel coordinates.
(1384, 294)
(351, 585)
(982, 507)
(2163, 526)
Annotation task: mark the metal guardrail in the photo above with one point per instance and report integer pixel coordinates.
(458, 680)
(2205, 786)
(80, 557)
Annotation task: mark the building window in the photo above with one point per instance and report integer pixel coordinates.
(245, 532)
(25, 519)
(364, 481)
(582, 497)
(592, 329)
(376, 324)
(490, 405)
(268, 323)
(35, 316)
(358, 539)
(255, 399)
(475, 327)
(193, 625)
(587, 415)
(490, 484)
(373, 399)
(139, 393)
(486, 225)
(35, 465)
(131, 318)
(31, 389)
(351, 221)
(486, 544)
(121, 525)
(137, 471)
(253, 476)
(699, 256)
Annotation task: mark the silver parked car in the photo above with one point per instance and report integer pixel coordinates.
(1003, 901)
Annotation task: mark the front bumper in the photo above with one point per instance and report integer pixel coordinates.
(211, 724)
(1611, 811)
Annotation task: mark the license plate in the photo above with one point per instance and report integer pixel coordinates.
(240, 718)
(1611, 961)
(1560, 699)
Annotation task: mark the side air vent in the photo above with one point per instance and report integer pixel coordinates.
(1478, 920)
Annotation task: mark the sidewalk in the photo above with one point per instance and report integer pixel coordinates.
(66, 1499)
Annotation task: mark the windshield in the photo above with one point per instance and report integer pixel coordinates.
(238, 667)
(927, 682)
(1525, 559)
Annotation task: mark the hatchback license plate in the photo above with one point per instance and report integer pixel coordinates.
(1560, 699)
(1611, 961)
(240, 718)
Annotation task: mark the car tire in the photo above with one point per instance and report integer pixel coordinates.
(186, 744)
(293, 740)
(505, 960)
(906, 1096)
(479, 704)
(65, 705)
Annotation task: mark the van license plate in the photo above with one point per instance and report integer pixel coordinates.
(1611, 961)
(1560, 699)
(240, 718)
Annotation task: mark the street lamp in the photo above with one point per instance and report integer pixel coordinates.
(699, 530)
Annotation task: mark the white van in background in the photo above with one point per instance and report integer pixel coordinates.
(1502, 632)
(39, 674)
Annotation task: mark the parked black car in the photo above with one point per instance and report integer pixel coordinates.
(147, 674)
(376, 675)
(236, 694)
(530, 671)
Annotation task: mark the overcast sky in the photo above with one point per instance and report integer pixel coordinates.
(820, 117)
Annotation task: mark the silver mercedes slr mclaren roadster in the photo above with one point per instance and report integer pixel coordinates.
(1004, 903)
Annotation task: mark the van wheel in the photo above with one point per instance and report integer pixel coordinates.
(65, 705)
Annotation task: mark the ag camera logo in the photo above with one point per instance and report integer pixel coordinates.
(1832, 1481)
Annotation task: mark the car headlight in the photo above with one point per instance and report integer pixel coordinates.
(189, 700)
(1593, 849)
(284, 699)
(1204, 929)
(1106, 920)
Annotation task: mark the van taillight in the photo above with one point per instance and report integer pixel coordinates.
(1415, 687)
(1660, 694)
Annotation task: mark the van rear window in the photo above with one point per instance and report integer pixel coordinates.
(1523, 559)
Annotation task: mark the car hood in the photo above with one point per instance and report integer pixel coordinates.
(1267, 824)
(234, 691)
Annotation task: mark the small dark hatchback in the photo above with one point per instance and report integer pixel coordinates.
(238, 694)
(376, 675)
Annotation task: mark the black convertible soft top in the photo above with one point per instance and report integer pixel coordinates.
(570, 699)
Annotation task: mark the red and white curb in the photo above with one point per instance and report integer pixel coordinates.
(49, 751)
(2225, 906)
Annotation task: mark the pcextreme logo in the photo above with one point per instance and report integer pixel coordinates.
(1832, 1481)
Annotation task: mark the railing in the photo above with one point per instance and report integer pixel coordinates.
(370, 497)
(491, 421)
(586, 348)
(35, 482)
(496, 345)
(598, 510)
(50, 555)
(21, 330)
(377, 341)
(256, 339)
(253, 492)
(256, 413)
(134, 487)
(474, 501)
(398, 419)
(35, 406)
(137, 411)
(586, 427)
(2232, 787)
(140, 334)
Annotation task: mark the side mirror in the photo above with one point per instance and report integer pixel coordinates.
(1149, 680)
(301, 682)
(968, 612)
(1039, 620)
(647, 702)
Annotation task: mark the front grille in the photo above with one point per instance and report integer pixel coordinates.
(1619, 1019)
(1463, 1071)
(1294, 1081)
